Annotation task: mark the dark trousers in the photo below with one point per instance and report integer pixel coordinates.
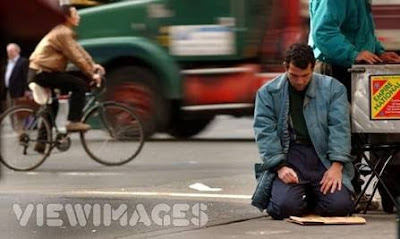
(341, 74)
(305, 197)
(5, 102)
(66, 83)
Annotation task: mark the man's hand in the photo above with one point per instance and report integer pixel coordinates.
(332, 179)
(97, 79)
(390, 57)
(99, 68)
(288, 175)
(368, 57)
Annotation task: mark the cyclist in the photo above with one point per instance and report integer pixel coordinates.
(48, 64)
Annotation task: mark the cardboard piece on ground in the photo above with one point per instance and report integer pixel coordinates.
(317, 220)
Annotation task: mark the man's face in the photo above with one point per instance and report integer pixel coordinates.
(12, 52)
(74, 18)
(299, 78)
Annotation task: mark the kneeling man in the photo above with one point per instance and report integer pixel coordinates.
(302, 130)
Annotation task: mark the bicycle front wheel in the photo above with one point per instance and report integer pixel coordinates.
(25, 138)
(116, 135)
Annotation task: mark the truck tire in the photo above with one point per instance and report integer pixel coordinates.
(186, 128)
(138, 87)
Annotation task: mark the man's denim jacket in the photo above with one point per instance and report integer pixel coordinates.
(326, 112)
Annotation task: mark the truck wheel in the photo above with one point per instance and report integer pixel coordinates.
(186, 128)
(138, 88)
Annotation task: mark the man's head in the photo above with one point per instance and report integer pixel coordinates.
(71, 15)
(13, 50)
(299, 63)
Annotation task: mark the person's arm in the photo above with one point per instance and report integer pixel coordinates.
(76, 54)
(339, 125)
(339, 139)
(327, 17)
(85, 54)
(265, 129)
(379, 49)
(389, 57)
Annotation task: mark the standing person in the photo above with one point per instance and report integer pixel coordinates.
(15, 76)
(342, 34)
(302, 130)
(49, 60)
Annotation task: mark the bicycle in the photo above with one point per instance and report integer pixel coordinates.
(116, 136)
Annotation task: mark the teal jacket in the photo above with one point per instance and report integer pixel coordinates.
(326, 112)
(340, 29)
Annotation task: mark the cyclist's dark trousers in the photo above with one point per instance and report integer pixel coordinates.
(66, 83)
(54, 109)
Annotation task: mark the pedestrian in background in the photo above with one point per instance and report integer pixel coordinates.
(14, 82)
(342, 34)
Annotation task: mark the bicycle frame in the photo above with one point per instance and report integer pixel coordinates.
(92, 102)
(46, 111)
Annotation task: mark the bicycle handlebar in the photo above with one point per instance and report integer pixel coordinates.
(99, 89)
(101, 84)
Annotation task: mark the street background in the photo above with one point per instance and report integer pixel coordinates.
(221, 158)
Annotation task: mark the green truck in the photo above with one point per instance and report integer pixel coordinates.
(182, 62)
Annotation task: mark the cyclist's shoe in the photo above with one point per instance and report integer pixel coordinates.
(77, 126)
(40, 147)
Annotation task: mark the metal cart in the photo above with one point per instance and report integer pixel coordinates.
(375, 113)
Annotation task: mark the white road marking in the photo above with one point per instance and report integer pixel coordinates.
(75, 173)
(172, 194)
(204, 188)
(91, 193)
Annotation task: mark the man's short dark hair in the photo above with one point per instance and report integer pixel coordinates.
(300, 55)
(66, 9)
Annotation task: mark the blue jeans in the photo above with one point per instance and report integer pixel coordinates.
(305, 197)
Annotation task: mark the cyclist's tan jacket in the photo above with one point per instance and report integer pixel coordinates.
(57, 48)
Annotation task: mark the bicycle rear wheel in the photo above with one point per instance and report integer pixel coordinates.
(116, 135)
(19, 135)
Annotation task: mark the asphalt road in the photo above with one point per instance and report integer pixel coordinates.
(199, 188)
(72, 196)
